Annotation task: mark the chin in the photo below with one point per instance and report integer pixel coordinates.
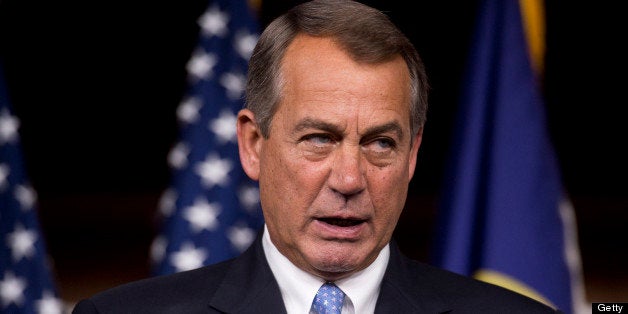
(334, 266)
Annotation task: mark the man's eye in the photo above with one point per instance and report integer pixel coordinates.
(381, 145)
(318, 139)
(385, 143)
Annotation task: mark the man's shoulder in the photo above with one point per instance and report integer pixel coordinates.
(183, 292)
(465, 294)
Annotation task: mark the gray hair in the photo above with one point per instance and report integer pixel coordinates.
(365, 33)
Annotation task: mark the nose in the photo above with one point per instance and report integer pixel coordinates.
(347, 172)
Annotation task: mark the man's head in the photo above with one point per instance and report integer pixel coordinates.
(363, 32)
(336, 102)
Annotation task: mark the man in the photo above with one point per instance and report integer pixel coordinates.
(336, 103)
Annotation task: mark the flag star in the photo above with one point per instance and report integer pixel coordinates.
(178, 156)
(245, 43)
(224, 126)
(202, 215)
(26, 196)
(49, 304)
(22, 242)
(241, 237)
(12, 289)
(168, 202)
(188, 110)
(188, 257)
(4, 174)
(158, 249)
(234, 84)
(201, 64)
(8, 127)
(214, 171)
(249, 197)
(214, 22)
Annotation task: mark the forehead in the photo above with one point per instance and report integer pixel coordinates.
(318, 75)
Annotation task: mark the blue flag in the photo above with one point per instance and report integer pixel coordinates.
(505, 217)
(26, 280)
(211, 212)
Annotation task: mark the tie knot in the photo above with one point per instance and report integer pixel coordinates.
(328, 299)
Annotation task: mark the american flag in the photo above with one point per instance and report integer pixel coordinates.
(26, 281)
(211, 211)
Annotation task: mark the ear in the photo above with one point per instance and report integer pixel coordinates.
(249, 143)
(414, 150)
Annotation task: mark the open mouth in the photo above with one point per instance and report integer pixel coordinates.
(342, 222)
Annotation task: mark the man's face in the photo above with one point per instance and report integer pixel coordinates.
(335, 169)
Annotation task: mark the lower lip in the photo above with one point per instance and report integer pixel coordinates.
(333, 232)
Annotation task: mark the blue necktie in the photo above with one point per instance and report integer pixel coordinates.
(328, 299)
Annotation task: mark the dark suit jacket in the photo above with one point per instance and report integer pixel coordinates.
(246, 285)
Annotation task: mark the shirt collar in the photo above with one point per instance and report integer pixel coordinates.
(298, 287)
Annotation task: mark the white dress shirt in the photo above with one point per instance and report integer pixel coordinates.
(298, 287)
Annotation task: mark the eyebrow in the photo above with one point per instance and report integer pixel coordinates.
(385, 128)
(309, 123)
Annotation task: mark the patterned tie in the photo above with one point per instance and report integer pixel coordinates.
(328, 299)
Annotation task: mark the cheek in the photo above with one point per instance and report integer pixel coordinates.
(304, 175)
(388, 205)
(388, 189)
(290, 182)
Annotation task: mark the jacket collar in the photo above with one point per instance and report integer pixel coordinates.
(406, 289)
(249, 285)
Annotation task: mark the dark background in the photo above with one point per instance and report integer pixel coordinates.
(96, 85)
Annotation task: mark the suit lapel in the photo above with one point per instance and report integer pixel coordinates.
(405, 290)
(249, 285)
